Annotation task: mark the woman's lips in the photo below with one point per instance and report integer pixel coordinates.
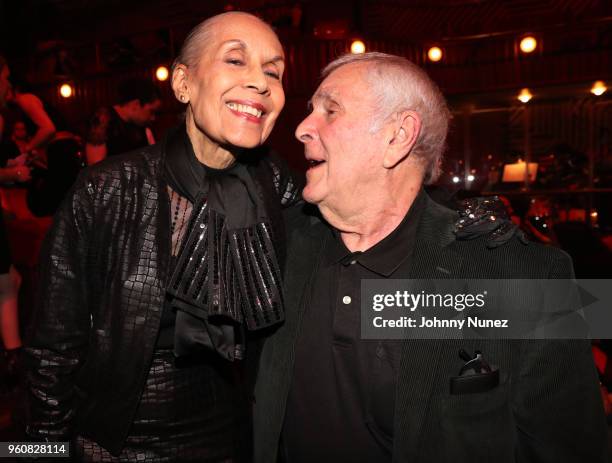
(252, 112)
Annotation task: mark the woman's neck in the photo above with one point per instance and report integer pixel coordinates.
(209, 153)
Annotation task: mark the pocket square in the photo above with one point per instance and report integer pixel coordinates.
(473, 383)
(475, 376)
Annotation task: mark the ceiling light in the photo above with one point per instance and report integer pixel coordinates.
(598, 88)
(434, 54)
(525, 95)
(357, 47)
(528, 44)
(162, 73)
(66, 90)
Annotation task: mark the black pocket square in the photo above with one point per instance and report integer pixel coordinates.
(471, 384)
(475, 376)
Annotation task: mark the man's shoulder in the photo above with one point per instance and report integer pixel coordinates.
(514, 259)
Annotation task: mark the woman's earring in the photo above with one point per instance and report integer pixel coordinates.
(184, 98)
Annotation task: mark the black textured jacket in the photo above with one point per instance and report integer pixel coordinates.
(103, 273)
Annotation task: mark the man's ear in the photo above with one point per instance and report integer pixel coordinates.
(406, 130)
(179, 83)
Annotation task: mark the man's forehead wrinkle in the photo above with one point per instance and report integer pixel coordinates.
(325, 95)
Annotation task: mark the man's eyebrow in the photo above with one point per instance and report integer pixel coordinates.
(324, 96)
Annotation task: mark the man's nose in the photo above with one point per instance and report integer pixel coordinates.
(305, 132)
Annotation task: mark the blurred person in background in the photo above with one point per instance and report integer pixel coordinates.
(42, 122)
(20, 136)
(9, 317)
(124, 126)
(8, 149)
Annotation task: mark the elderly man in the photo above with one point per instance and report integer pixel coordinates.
(374, 137)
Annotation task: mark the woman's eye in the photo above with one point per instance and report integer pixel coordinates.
(235, 61)
(273, 74)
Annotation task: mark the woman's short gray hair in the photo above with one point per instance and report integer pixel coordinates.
(402, 85)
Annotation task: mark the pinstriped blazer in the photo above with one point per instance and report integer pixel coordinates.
(546, 408)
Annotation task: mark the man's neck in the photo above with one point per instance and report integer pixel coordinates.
(375, 221)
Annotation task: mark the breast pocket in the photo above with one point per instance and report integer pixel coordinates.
(478, 427)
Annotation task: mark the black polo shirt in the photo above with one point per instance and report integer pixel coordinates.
(342, 397)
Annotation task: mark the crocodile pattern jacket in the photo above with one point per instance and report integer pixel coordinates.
(104, 272)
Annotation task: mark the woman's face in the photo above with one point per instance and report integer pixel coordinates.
(235, 93)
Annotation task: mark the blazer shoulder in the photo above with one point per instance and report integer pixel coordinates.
(514, 259)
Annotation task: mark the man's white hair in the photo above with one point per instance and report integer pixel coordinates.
(401, 85)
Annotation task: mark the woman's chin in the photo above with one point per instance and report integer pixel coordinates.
(246, 142)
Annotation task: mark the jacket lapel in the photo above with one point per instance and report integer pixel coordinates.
(432, 259)
(306, 247)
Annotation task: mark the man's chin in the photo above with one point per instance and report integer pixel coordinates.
(311, 196)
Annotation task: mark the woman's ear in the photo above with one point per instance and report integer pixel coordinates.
(407, 127)
(180, 85)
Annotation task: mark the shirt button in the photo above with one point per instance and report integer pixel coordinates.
(346, 300)
(353, 262)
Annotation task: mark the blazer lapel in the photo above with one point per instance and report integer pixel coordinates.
(432, 259)
(305, 249)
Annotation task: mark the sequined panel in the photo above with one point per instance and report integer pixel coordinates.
(230, 273)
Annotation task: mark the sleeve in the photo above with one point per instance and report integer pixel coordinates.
(287, 183)
(57, 339)
(556, 401)
(98, 127)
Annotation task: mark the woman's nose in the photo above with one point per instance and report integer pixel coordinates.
(257, 80)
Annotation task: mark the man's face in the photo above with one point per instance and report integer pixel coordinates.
(343, 152)
(236, 91)
(144, 114)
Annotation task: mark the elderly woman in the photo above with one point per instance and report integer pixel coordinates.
(162, 264)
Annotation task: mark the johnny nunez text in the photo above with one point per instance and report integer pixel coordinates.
(434, 322)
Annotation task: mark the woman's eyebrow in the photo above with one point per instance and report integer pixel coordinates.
(276, 59)
(239, 43)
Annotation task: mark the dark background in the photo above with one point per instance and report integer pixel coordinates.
(95, 43)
